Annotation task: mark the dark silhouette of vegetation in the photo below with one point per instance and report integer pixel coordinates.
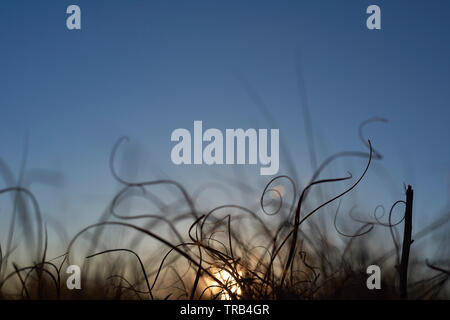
(228, 252)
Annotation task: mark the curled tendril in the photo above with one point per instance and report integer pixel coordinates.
(147, 183)
(390, 224)
(356, 234)
(377, 218)
(375, 155)
(280, 202)
(298, 222)
(267, 189)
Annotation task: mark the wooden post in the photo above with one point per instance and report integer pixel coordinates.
(406, 244)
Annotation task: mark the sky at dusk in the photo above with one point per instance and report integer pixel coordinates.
(145, 68)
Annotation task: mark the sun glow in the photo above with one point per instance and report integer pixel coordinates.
(230, 282)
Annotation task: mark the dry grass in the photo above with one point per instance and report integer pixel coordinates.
(284, 250)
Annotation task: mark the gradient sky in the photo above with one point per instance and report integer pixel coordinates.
(145, 68)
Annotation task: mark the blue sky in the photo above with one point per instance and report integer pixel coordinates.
(145, 68)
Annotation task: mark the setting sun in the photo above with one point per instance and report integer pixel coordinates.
(230, 282)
